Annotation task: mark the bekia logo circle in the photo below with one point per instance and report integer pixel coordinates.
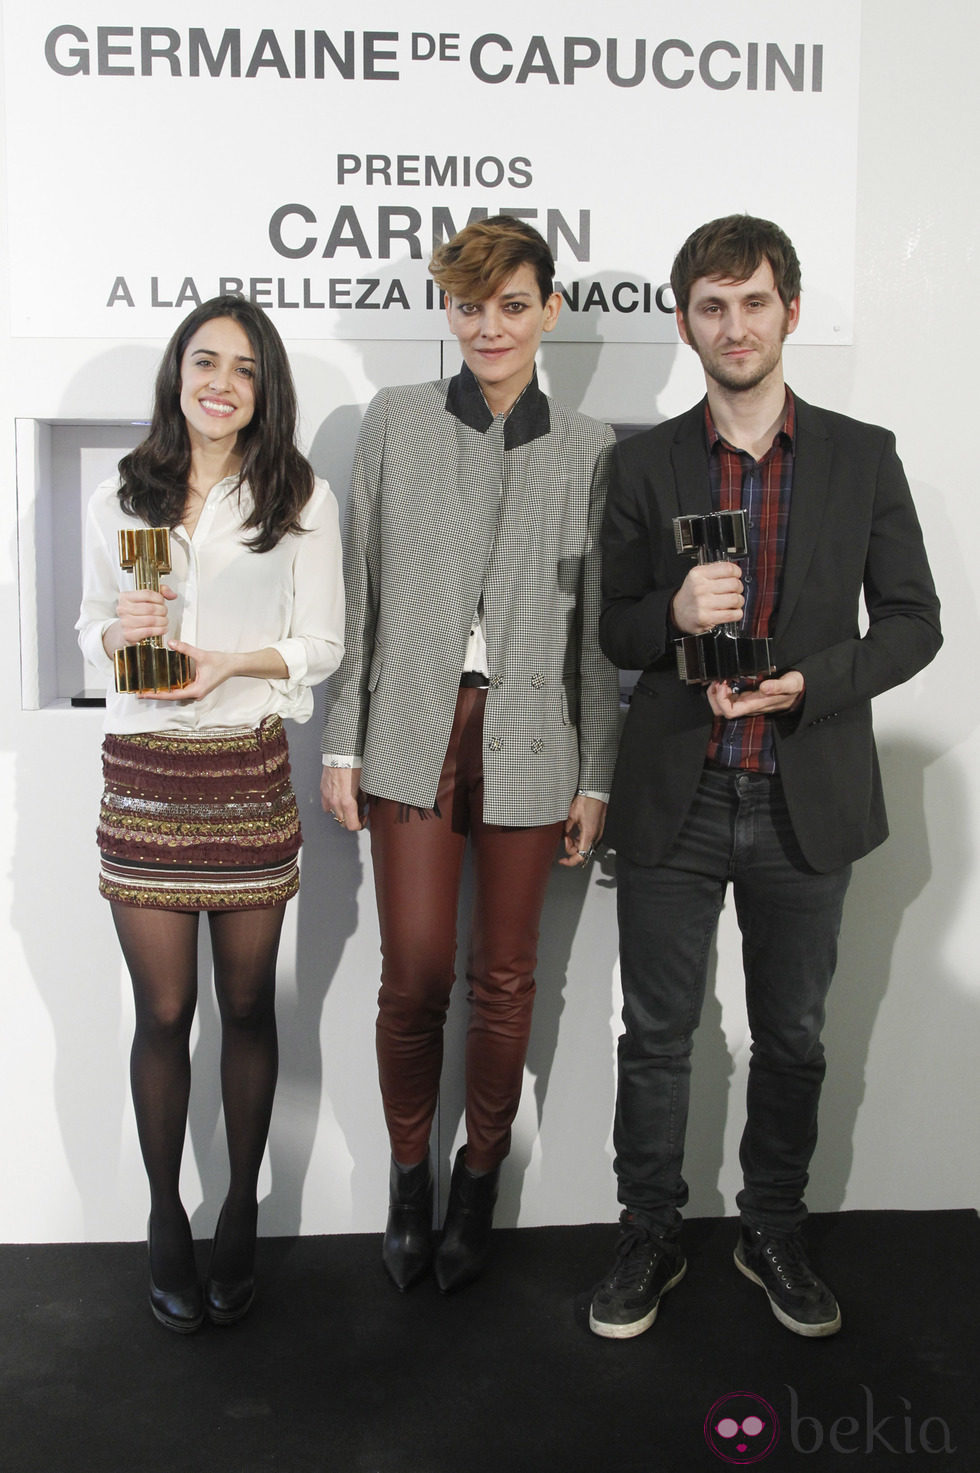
(741, 1428)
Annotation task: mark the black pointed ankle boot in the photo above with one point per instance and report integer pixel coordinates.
(466, 1234)
(407, 1248)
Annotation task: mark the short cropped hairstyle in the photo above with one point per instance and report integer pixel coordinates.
(734, 247)
(486, 253)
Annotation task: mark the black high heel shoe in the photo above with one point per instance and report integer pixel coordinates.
(177, 1309)
(228, 1300)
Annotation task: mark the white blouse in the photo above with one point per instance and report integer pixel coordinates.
(228, 598)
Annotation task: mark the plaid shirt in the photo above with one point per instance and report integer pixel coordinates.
(763, 489)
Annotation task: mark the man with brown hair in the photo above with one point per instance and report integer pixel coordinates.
(772, 783)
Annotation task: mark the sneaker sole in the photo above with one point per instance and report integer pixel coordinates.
(798, 1327)
(635, 1327)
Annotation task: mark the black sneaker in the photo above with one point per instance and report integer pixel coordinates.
(627, 1300)
(800, 1300)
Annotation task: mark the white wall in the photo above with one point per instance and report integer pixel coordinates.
(898, 1122)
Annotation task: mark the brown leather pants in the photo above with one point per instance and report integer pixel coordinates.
(418, 860)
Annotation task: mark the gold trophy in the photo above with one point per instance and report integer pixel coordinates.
(149, 665)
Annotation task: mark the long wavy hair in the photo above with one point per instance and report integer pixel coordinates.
(155, 475)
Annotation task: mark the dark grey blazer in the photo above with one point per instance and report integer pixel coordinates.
(447, 503)
(853, 533)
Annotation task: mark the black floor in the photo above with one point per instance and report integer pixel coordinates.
(335, 1372)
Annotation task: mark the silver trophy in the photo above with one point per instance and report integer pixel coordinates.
(724, 653)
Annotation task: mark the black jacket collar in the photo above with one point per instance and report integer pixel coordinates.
(529, 419)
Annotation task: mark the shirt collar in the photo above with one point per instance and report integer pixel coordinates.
(788, 432)
(529, 419)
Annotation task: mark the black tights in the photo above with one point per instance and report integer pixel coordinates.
(160, 949)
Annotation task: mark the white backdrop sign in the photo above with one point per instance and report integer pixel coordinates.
(311, 155)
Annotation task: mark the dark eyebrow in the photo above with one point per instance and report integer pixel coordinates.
(746, 296)
(213, 353)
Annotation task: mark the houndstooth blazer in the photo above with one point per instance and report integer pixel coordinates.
(448, 503)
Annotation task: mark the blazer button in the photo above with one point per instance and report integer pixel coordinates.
(495, 744)
(496, 681)
(537, 745)
(537, 681)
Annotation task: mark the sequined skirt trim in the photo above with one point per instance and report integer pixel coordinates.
(199, 821)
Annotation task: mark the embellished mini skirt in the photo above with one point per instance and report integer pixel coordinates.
(202, 820)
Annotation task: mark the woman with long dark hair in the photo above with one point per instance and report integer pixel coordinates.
(198, 813)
